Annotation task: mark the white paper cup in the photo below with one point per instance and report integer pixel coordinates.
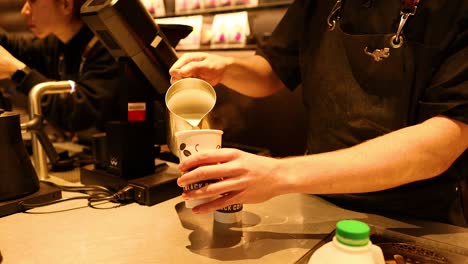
(194, 141)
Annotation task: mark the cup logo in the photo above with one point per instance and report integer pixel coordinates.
(187, 153)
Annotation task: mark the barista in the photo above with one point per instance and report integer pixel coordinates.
(64, 49)
(385, 85)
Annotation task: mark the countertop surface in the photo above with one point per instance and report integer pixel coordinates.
(281, 230)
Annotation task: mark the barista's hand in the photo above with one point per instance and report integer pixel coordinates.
(8, 64)
(208, 67)
(246, 178)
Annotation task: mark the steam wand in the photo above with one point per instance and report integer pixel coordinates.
(35, 124)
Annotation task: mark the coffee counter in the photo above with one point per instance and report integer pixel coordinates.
(281, 230)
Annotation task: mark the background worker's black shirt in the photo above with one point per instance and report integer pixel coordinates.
(94, 100)
(350, 98)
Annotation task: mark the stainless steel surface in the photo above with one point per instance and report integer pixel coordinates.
(34, 97)
(178, 123)
(274, 232)
(281, 230)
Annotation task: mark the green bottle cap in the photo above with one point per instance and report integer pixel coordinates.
(352, 233)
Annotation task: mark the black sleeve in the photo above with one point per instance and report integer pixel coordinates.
(95, 98)
(447, 93)
(36, 53)
(282, 48)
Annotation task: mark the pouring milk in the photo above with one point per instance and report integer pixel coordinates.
(189, 101)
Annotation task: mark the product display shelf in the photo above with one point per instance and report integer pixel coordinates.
(261, 19)
(264, 5)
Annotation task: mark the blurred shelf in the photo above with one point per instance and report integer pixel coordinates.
(262, 20)
(228, 9)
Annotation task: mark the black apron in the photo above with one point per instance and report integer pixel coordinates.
(361, 99)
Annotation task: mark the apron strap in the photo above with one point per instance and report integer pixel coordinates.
(408, 9)
(409, 6)
(85, 54)
(334, 15)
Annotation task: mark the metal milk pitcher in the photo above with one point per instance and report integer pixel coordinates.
(189, 101)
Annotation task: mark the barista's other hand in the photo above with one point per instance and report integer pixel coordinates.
(8, 64)
(205, 66)
(246, 178)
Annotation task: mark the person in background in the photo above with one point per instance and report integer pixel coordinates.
(63, 48)
(385, 85)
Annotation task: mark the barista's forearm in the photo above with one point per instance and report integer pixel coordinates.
(407, 155)
(251, 76)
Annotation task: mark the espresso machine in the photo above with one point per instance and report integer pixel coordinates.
(145, 52)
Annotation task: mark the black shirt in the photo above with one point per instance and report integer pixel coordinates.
(94, 100)
(350, 98)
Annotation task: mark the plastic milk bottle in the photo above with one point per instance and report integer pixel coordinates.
(350, 245)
